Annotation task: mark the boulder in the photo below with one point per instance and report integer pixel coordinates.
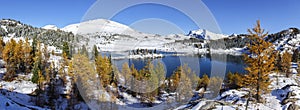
(287, 100)
(293, 106)
(290, 94)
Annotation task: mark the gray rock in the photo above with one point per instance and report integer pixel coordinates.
(291, 93)
(287, 100)
(293, 106)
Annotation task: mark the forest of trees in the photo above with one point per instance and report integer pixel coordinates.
(149, 83)
(24, 58)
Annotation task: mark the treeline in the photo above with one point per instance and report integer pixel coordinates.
(238, 41)
(143, 51)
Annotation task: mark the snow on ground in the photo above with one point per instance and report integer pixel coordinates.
(272, 101)
(6, 104)
(24, 87)
(282, 81)
(139, 56)
(14, 95)
(235, 99)
(233, 95)
(125, 44)
(55, 60)
(287, 43)
(6, 39)
(17, 99)
(4, 27)
(21, 85)
(128, 99)
(233, 51)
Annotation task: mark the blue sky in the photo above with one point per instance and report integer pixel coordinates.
(233, 16)
(42, 12)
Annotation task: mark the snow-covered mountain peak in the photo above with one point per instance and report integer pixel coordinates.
(205, 34)
(99, 26)
(50, 27)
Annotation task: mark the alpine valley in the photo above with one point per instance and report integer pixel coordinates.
(72, 68)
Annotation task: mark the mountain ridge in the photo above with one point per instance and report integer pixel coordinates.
(112, 36)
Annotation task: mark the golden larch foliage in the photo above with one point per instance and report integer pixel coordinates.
(286, 63)
(260, 62)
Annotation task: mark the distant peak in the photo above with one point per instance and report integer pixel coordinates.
(205, 34)
(50, 27)
(98, 26)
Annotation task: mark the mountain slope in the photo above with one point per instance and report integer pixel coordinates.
(15, 29)
(100, 27)
(112, 36)
(286, 40)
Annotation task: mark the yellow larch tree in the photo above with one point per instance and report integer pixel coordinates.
(9, 58)
(28, 60)
(285, 63)
(260, 62)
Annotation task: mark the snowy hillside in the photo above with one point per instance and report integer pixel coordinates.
(115, 37)
(49, 34)
(101, 27)
(112, 36)
(286, 40)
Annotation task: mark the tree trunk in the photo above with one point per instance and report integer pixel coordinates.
(257, 87)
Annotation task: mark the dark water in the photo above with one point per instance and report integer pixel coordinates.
(206, 64)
